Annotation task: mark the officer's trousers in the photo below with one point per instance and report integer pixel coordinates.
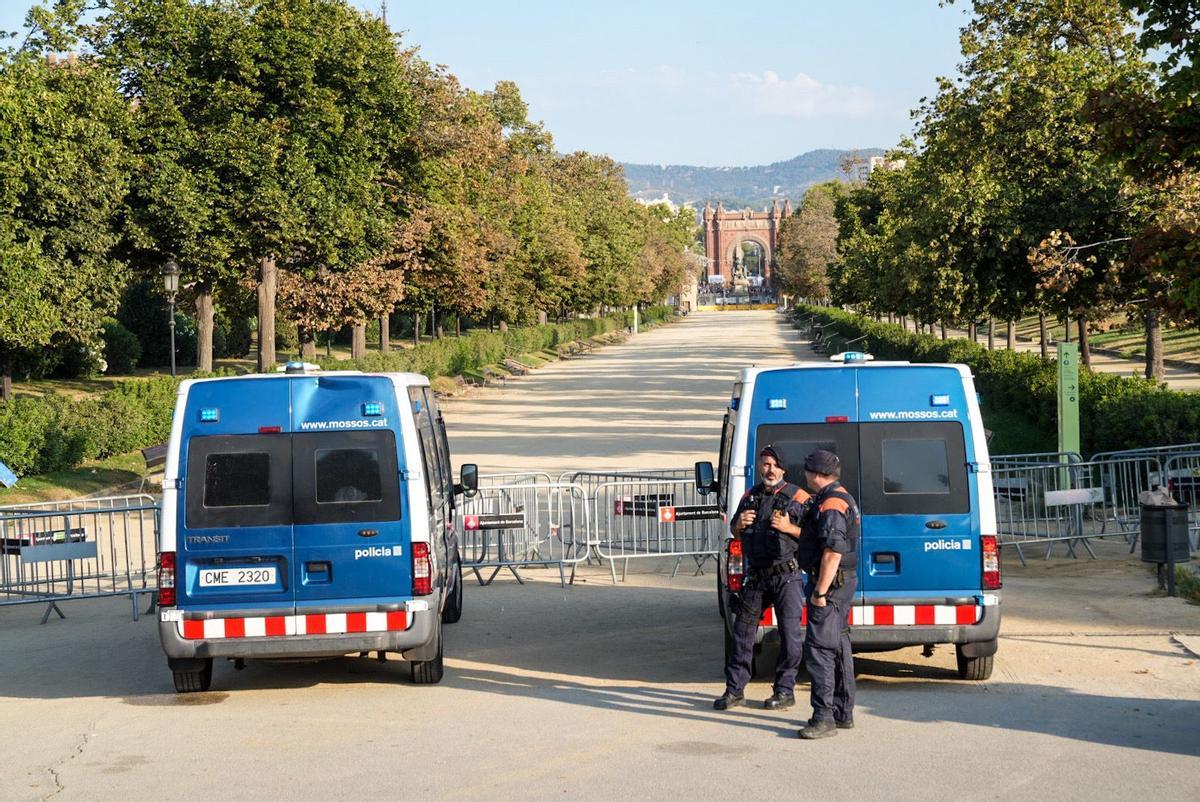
(786, 593)
(827, 653)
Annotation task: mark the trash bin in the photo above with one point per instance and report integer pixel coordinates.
(1165, 534)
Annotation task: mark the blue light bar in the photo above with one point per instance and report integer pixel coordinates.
(373, 408)
(939, 400)
(776, 403)
(210, 415)
(854, 356)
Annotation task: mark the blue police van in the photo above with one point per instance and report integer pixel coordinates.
(307, 514)
(913, 453)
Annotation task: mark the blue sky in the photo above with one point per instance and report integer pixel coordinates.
(682, 83)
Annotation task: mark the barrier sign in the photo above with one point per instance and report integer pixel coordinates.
(693, 512)
(500, 520)
(644, 506)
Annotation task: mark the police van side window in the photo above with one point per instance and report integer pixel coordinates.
(914, 468)
(441, 446)
(425, 437)
(727, 432)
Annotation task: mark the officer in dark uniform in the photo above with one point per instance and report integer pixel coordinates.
(767, 521)
(829, 552)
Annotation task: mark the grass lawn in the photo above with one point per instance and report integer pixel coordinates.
(92, 476)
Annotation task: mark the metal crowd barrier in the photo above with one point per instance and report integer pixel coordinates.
(1053, 503)
(1181, 475)
(83, 548)
(511, 525)
(1039, 458)
(636, 518)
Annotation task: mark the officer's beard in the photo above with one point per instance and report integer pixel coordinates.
(772, 486)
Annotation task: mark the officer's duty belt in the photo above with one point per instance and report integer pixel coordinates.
(789, 567)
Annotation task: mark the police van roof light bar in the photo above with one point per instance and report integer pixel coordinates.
(847, 357)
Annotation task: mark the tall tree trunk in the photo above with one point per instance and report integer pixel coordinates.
(971, 330)
(204, 328)
(1085, 352)
(308, 344)
(385, 336)
(943, 329)
(416, 328)
(1154, 344)
(991, 333)
(6, 371)
(1066, 321)
(1043, 335)
(358, 341)
(1011, 336)
(267, 276)
(458, 325)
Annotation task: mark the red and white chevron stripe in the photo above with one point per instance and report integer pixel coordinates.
(282, 626)
(898, 615)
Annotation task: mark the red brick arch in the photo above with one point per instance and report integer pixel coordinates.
(724, 231)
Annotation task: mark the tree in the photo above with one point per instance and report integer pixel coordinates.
(264, 129)
(808, 243)
(64, 175)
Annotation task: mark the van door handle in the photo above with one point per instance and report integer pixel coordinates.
(935, 524)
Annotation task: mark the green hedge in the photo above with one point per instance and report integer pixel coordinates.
(1115, 411)
(51, 433)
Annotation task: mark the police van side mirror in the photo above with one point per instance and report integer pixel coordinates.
(705, 483)
(468, 480)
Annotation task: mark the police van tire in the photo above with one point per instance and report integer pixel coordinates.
(452, 612)
(196, 681)
(973, 668)
(430, 672)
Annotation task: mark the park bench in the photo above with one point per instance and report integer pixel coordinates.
(517, 368)
(155, 458)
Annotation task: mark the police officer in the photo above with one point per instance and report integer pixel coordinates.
(829, 551)
(767, 521)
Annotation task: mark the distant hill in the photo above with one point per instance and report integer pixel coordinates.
(738, 187)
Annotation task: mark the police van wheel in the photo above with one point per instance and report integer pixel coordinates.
(196, 681)
(974, 668)
(452, 612)
(430, 672)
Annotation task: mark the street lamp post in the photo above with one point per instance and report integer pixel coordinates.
(170, 275)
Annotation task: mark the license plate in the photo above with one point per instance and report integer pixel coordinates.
(236, 577)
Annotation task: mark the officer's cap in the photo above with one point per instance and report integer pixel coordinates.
(823, 462)
(770, 451)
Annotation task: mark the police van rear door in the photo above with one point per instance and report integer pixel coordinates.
(352, 548)
(920, 511)
(801, 410)
(235, 548)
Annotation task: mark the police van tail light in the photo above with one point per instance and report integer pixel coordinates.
(166, 579)
(422, 570)
(991, 562)
(736, 569)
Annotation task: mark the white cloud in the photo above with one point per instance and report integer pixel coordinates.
(759, 94)
(770, 95)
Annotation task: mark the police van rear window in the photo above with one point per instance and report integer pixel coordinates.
(914, 468)
(347, 475)
(237, 480)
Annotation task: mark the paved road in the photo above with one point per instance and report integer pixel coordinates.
(600, 691)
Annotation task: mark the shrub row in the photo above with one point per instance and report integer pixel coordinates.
(1116, 412)
(55, 432)
(51, 433)
(453, 356)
